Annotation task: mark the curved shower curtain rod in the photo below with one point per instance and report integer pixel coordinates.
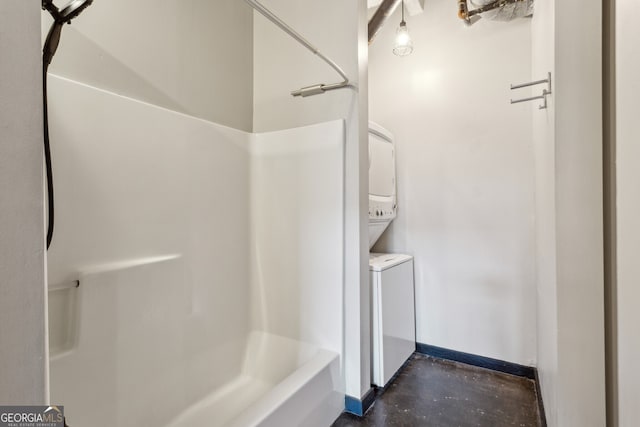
(308, 90)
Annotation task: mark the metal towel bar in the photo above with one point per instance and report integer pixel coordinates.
(545, 92)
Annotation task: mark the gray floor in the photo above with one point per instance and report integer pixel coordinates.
(438, 393)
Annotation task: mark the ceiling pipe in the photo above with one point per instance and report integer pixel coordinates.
(378, 19)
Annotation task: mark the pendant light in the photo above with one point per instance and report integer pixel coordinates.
(403, 45)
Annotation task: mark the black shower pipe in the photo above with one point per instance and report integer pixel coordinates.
(50, 46)
(60, 17)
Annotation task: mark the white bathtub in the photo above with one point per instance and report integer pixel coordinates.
(283, 383)
(131, 349)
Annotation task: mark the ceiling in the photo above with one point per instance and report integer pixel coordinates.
(413, 7)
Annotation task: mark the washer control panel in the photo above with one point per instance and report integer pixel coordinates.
(382, 210)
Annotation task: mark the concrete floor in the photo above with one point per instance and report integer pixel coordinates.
(438, 393)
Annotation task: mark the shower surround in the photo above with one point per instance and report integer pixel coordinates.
(210, 267)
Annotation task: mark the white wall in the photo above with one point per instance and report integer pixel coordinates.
(23, 349)
(193, 57)
(543, 47)
(567, 40)
(628, 211)
(465, 178)
(579, 211)
(338, 29)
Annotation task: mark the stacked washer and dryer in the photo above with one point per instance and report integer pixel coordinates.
(391, 275)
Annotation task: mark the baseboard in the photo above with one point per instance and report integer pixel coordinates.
(359, 406)
(479, 361)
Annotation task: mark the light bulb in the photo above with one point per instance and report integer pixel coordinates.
(403, 45)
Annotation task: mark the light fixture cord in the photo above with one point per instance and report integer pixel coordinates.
(402, 10)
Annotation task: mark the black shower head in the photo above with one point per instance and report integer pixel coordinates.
(60, 17)
(68, 12)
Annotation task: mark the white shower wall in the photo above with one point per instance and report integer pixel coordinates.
(185, 236)
(297, 179)
(133, 180)
(153, 218)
